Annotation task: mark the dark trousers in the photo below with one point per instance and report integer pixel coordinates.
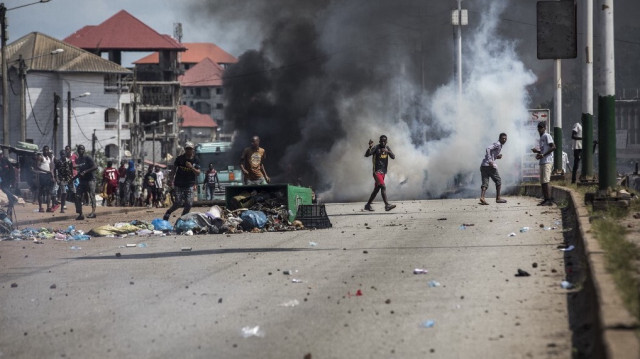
(577, 157)
(88, 187)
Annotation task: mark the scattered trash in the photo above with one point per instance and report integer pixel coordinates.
(524, 229)
(428, 323)
(313, 244)
(291, 303)
(442, 219)
(570, 248)
(142, 245)
(129, 245)
(294, 280)
(512, 234)
(252, 332)
(566, 285)
(433, 284)
(468, 224)
(160, 224)
(75, 248)
(522, 273)
(462, 227)
(188, 233)
(420, 271)
(289, 272)
(186, 249)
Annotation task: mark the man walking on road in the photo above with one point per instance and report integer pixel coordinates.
(544, 154)
(252, 164)
(576, 136)
(489, 169)
(381, 153)
(186, 177)
(85, 166)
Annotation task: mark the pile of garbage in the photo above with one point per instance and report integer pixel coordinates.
(38, 234)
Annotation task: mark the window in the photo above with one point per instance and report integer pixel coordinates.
(218, 90)
(219, 106)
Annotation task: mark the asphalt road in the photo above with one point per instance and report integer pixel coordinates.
(161, 302)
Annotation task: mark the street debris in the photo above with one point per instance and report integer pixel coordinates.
(420, 271)
(433, 284)
(428, 323)
(290, 303)
(512, 234)
(522, 273)
(252, 332)
(524, 229)
(566, 285)
(570, 248)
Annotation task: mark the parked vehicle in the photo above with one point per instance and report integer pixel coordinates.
(225, 163)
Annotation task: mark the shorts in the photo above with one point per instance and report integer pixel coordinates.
(545, 172)
(487, 172)
(378, 177)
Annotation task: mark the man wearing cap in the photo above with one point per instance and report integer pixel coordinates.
(544, 154)
(85, 167)
(186, 171)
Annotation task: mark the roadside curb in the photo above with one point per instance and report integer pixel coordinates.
(616, 326)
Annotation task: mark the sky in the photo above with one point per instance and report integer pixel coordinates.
(333, 74)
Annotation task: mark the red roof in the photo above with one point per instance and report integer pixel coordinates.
(196, 52)
(205, 74)
(122, 31)
(192, 118)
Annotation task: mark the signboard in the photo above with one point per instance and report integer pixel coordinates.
(529, 168)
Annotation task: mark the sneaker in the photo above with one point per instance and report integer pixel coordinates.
(91, 215)
(80, 217)
(49, 210)
(166, 216)
(367, 207)
(389, 207)
(55, 207)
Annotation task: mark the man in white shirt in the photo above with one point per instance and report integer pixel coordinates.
(576, 136)
(159, 186)
(544, 154)
(489, 169)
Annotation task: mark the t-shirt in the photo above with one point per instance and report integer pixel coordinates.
(64, 168)
(150, 179)
(185, 176)
(490, 156)
(577, 128)
(110, 176)
(252, 161)
(159, 179)
(84, 163)
(545, 145)
(212, 177)
(380, 159)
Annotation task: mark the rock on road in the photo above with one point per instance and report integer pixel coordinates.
(161, 302)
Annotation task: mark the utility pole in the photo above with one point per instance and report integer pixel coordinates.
(586, 172)
(557, 107)
(93, 144)
(607, 101)
(5, 82)
(56, 120)
(459, 40)
(69, 118)
(22, 71)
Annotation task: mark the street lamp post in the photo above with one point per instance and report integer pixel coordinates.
(5, 82)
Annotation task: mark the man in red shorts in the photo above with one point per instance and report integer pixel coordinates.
(381, 153)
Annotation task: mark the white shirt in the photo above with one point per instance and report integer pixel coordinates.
(492, 153)
(545, 145)
(565, 161)
(159, 178)
(577, 128)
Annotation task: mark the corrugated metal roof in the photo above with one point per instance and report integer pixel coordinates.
(124, 32)
(36, 49)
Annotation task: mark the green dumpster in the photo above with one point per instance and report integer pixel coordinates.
(291, 196)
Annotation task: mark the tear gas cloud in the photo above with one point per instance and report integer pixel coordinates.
(327, 76)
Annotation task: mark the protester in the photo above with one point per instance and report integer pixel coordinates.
(122, 176)
(149, 183)
(159, 187)
(544, 154)
(252, 164)
(576, 136)
(44, 170)
(186, 170)
(85, 167)
(210, 182)
(489, 169)
(8, 181)
(381, 153)
(110, 178)
(64, 177)
(130, 184)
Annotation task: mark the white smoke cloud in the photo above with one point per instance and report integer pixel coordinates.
(494, 100)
